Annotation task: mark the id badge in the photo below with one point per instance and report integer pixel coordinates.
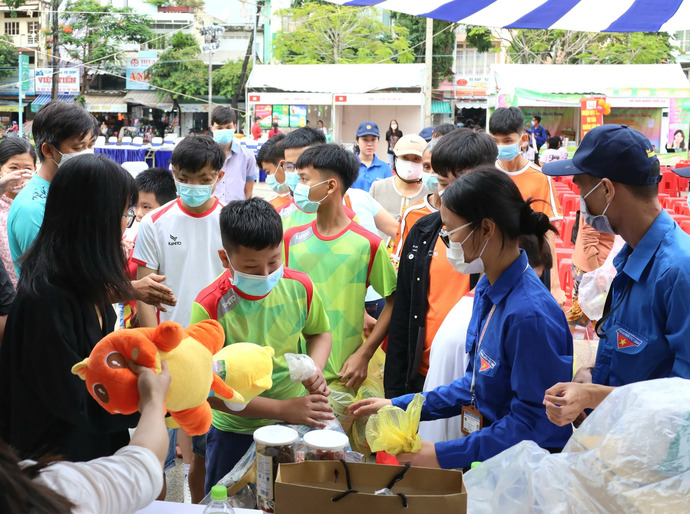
(472, 420)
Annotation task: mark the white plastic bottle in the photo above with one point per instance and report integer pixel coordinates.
(219, 501)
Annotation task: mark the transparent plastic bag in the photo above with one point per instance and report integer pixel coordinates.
(631, 455)
(301, 366)
(595, 285)
(394, 430)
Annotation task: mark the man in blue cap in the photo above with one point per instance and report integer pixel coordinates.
(371, 168)
(645, 327)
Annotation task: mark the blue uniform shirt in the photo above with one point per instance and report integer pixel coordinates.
(367, 176)
(647, 336)
(527, 348)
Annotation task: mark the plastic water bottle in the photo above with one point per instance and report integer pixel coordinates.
(219, 501)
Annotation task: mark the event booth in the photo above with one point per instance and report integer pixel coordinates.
(652, 98)
(340, 95)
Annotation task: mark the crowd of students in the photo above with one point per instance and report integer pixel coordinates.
(464, 298)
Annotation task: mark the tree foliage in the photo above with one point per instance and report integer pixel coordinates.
(9, 57)
(180, 69)
(94, 33)
(320, 33)
(531, 46)
(443, 47)
(227, 78)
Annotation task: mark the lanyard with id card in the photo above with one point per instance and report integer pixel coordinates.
(472, 420)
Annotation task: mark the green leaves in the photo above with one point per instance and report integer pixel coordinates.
(332, 34)
(180, 69)
(9, 57)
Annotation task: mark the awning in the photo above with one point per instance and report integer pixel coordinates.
(10, 106)
(149, 99)
(190, 105)
(584, 15)
(470, 103)
(105, 103)
(583, 79)
(43, 99)
(441, 107)
(337, 78)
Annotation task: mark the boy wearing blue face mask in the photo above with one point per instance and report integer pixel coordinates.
(506, 126)
(342, 258)
(239, 164)
(179, 240)
(259, 300)
(271, 159)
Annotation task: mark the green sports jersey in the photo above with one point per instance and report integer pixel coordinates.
(292, 216)
(291, 310)
(341, 268)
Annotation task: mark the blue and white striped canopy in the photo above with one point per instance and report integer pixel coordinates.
(583, 15)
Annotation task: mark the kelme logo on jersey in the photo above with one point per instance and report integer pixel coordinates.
(487, 364)
(173, 241)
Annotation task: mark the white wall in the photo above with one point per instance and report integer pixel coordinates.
(348, 119)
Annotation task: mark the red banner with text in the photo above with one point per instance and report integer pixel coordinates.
(590, 116)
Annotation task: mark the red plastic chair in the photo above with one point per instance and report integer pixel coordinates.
(564, 253)
(676, 205)
(682, 208)
(570, 204)
(680, 218)
(685, 226)
(669, 183)
(565, 274)
(566, 232)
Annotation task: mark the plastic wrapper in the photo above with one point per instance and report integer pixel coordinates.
(631, 455)
(394, 430)
(595, 285)
(301, 366)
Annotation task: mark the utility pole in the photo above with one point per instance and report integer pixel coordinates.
(428, 62)
(20, 108)
(212, 36)
(55, 49)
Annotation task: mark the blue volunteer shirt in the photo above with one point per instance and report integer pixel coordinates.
(26, 216)
(527, 348)
(368, 175)
(647, 335)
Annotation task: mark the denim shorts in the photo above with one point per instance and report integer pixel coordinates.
(198, 447)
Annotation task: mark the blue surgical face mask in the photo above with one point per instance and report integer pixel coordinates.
(302, 198)
(255, 285)
(277, 187)
(430, 181)
(194, 195)
(291, 179)
(223, 136)
(600, 222)
(508, 152)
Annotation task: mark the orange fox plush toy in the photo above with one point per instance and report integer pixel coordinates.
(189, 356)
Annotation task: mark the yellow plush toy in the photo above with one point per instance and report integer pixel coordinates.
(189, 355)
(231, 364)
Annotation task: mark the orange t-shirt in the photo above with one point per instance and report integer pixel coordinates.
(412, 214)
(446, 287)
(280, 200)
(533, 183)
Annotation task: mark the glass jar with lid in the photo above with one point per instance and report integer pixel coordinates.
(275, 445)
(325, 445)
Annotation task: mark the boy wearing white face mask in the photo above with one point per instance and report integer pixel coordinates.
(61, 131)
(396, 193)
(257, 299)
(506, 126)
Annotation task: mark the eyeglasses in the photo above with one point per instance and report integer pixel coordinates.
(131, 216)
(445, 234)
(288, 166)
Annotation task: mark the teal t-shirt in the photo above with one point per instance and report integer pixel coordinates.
(26, 216)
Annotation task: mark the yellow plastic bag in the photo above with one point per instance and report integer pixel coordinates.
(394, 430)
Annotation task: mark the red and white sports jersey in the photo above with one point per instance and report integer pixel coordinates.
(183, 246)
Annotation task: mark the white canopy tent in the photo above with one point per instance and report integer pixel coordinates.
(344, 94)
(583, 15)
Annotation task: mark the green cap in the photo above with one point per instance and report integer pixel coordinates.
(219, 493)
(472, 466)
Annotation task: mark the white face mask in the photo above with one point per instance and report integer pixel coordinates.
(456, 255)
(67, 156)
(409, 170)
(599, 222)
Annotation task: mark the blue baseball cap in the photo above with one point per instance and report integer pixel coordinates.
(368, 128)
(616, 152)
(426, 133)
